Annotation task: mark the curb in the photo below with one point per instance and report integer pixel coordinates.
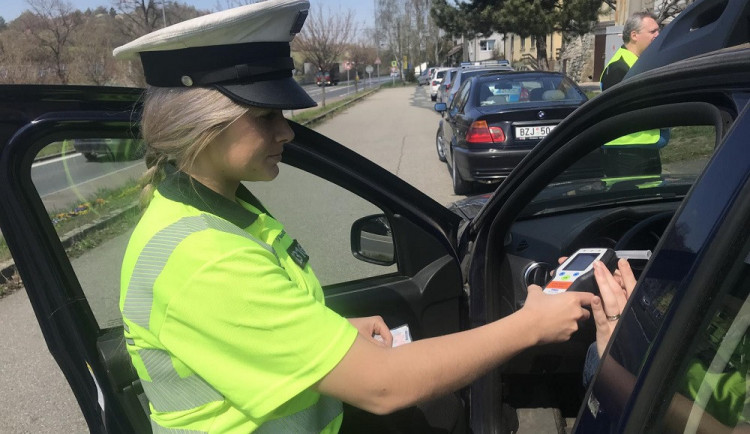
(8, 268)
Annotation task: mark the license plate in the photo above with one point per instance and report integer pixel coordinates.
(537, 132)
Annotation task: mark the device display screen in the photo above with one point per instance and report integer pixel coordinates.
(581, 261)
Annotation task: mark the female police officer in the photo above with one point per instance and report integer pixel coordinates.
(225, 321)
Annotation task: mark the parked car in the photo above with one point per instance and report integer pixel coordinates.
(446, 84)
(681, 338)
(467, 71)
(435, 80)
(424, 77)
(107, 149)
(497, 118)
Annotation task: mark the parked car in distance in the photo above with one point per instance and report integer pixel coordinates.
(496, 119)
(435, 80)
(108, 149)
(446, 84)
(424, 77)
(327, 78)
(466, 71)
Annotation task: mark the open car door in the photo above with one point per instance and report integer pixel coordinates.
(379, 246)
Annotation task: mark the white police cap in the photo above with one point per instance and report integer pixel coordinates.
(242, 52)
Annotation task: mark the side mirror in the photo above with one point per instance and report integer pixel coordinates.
(372, 240)
(441, 107)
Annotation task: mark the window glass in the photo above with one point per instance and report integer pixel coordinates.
(620, 173)
(487, 45)
(460, 100)
(90, 191)
(711, 391)
(528, 89)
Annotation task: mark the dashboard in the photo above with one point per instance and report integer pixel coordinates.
(532, 252)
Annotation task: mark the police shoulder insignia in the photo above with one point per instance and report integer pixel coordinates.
(298, 254)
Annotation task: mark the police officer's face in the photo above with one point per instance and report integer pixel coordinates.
(249, 149)
(643, 37)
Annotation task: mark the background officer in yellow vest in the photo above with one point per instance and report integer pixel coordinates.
(225, 321)
(638, 153)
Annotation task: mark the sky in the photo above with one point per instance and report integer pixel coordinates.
(363, 9)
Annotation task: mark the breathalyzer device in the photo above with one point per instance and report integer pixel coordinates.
(577, 272)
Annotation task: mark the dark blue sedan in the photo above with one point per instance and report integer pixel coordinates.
(495, 119)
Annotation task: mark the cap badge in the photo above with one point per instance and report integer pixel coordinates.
(186, 80)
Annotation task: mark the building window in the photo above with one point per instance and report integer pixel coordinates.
(523, 44)
(487, 45)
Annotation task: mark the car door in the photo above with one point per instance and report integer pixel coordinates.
(704, 92)
(66, 222)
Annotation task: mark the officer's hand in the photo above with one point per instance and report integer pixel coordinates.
(372, 326)
(556, 315)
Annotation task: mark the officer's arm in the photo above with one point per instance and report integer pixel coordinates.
(381, 380)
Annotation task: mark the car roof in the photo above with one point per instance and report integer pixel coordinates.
(703, 27)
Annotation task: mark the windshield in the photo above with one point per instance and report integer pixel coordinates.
(621, 173)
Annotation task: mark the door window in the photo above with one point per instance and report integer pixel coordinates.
(711, 393)
(90, 190)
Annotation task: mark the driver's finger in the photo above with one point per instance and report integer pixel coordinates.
(608, 289)
(628, 278)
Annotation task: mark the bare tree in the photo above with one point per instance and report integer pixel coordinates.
(93, 62)
(668, 9)
(323, 39)
(361, 54)
(139, 17)
(51, 23)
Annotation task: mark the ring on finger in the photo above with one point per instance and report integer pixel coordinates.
(613, 317)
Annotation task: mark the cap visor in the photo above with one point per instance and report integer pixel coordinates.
(284, 93)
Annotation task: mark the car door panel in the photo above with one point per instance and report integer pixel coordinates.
(424, 293)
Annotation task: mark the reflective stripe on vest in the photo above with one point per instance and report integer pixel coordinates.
(152, 259)
(158, 429)
(648, 137)
(168, 391)
(312, 419)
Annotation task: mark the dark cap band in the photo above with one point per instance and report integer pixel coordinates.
(236, 63)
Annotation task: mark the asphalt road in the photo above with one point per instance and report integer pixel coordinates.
(393, 127)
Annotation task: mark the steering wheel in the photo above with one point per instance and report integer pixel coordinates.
(644, 236)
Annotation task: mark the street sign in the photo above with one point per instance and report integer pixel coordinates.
(377, 60)
(394, 64)
(368, 69)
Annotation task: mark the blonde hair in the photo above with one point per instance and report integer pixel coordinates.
(177, 124)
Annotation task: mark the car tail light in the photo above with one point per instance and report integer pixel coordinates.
(447, 86)
(434, 82)
(479, 132)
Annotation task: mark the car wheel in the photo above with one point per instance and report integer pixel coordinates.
(460, 186)
(439, 144)
(90, 156)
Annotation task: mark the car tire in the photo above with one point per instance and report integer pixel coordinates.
(90, 156)
(460, 186)
(439, 144)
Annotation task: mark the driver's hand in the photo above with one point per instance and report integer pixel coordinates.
(614, 293)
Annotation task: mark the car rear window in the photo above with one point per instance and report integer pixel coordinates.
(521, 89)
